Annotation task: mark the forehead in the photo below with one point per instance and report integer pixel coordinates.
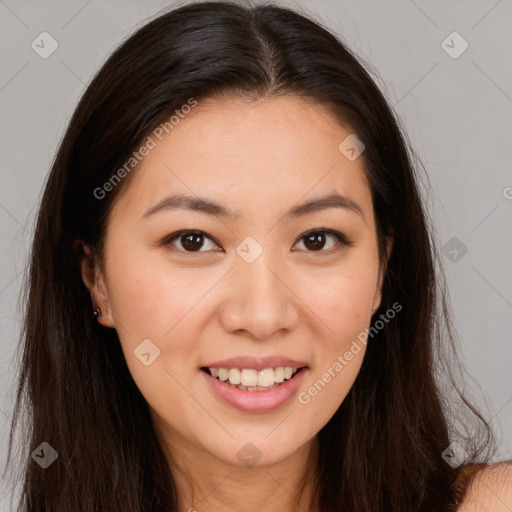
(254, 157)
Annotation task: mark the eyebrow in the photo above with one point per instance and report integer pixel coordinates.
(210, 207)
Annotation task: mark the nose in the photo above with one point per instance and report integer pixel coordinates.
(260, 302)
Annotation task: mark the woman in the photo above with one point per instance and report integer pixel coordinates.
(232, 299)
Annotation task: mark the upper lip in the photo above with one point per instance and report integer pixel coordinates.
(256, 363)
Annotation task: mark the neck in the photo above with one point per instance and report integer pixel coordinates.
(208, 484)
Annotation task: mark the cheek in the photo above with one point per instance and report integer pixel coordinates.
(340, 349)
(152, 300)
(153, 307)
(148, 297)
(342, 300)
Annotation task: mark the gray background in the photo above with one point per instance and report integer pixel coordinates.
(456, 111)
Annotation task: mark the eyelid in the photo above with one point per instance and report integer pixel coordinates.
(166, 241)
(342, 239)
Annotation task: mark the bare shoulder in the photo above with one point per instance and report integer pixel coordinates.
(490, 490)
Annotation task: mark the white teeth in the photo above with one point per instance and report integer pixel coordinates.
(235, 376)
(249, 379)
(266, 377)
(279, 374)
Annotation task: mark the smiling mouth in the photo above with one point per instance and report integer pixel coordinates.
(248, 379)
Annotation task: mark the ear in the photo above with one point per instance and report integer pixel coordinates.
(94, 280)
(390, 238)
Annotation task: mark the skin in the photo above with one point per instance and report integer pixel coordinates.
(491, 490)
(259, 159)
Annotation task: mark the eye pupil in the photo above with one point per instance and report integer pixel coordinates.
(312, 242)
(192, 242)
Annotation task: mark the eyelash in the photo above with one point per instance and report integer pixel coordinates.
(342, 239)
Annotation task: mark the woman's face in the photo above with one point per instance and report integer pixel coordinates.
(254, 286)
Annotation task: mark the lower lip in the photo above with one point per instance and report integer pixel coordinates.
(256, 401)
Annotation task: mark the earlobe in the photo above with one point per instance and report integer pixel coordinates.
(94, 281)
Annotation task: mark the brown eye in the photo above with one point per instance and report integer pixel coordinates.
(190, 241)
(315, 241)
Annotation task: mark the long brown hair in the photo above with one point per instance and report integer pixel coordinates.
(382, 449)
